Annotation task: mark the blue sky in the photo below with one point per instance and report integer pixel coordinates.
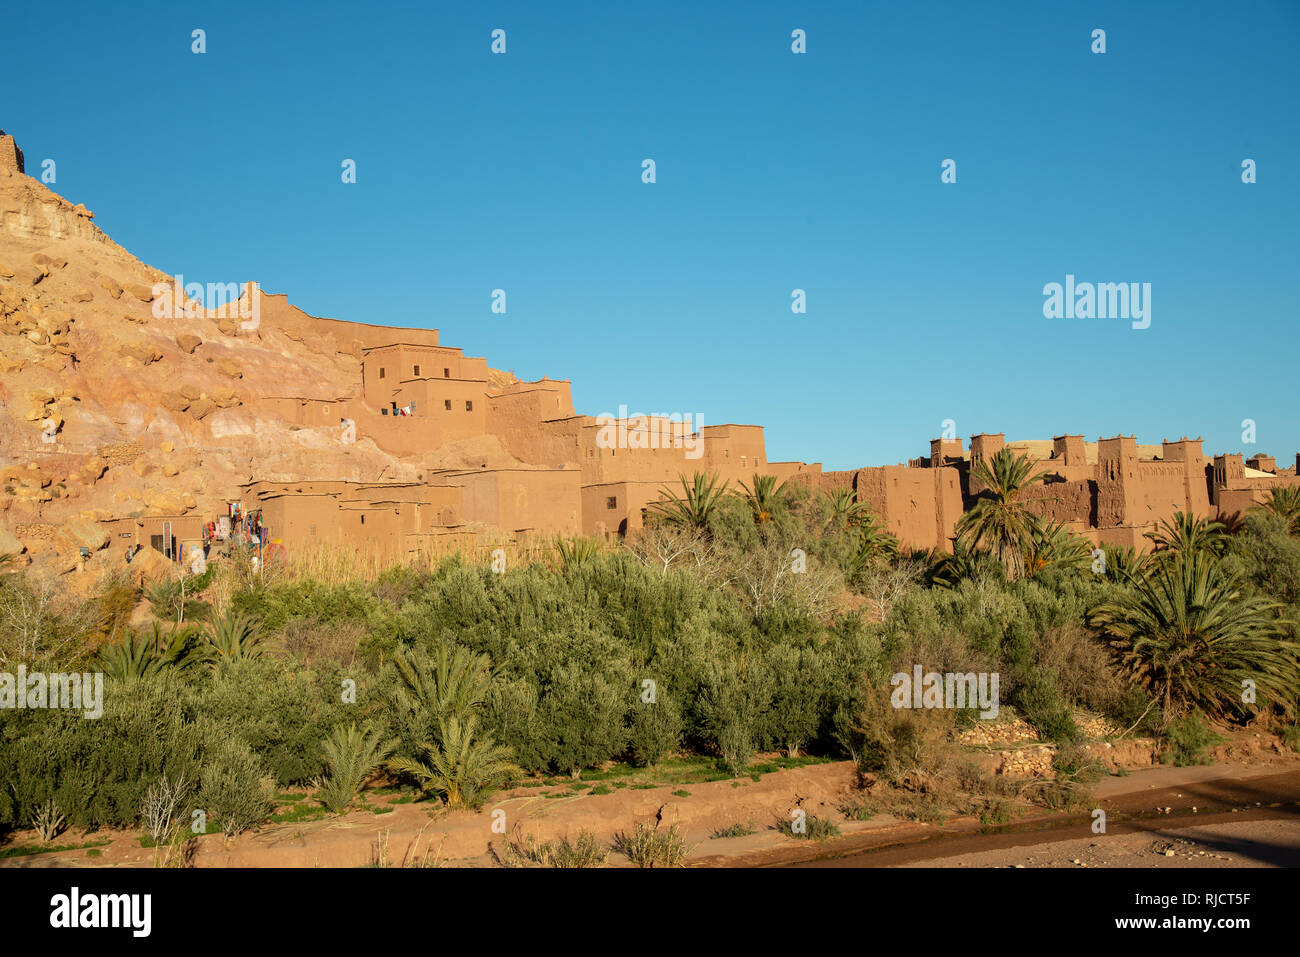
(775, 171)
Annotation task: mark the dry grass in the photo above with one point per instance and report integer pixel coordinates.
(331, 564)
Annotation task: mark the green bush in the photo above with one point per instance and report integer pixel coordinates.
(235, 792)
(654, 729)
(1187, 739)
(653, 846)
(1042, 704)
(585, 851)
(98, 770)
(281, 714)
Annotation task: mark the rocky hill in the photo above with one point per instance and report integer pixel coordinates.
(108, 410)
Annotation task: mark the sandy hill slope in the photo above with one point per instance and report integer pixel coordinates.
(107, 410)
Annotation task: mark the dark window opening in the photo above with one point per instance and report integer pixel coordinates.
(446, 373)
(611, 502)
(469, 406)
(417, 372)
(446, 404)
(381, 372)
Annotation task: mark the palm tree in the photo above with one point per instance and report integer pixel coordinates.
(460, 767)
(452, 681)
(1193, 637)
(1000, 520)
(233, 638)
(700, 499)
(764, 496)
(949, 570)
(1185, 533)
(1124, 563)
(150, 653)
(1284, 502)
(1052, 543)
(351, 756)
(875, 544)
(574, 553)
(845, 509)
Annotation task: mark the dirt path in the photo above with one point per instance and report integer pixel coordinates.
(1253, 806)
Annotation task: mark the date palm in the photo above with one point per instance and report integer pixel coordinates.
(699, 500)
(1191, 634)
(1001, 521)
(1053, 544)
(460, 766)
(1187, 533)
(764, 496)
(451, 681)
(1284, 502)
(844, 507)
(351, 755)
(875, 545)
(233, 638)
(150, 653)
(1124, 563)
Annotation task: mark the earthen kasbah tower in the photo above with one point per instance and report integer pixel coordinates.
(11, 157)
(143, 413)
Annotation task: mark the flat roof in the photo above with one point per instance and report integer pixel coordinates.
(414, 345)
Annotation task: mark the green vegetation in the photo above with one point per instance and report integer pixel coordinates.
(735, 830)
(765, 622)
(653, 846)
(1189, 738)
(586, 851)
(351, 756)
(810, 828)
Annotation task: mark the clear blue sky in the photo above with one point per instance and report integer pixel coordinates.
(775, 171)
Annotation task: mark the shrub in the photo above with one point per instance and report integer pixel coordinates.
(98, 771)
(162, 801)
(282, 715)
(1075, 771)
(1187, 740)
(48, 822)
(235, 792)
(586, 851)
(654, 730)
(811, 828)
(1041, 702)
(653, 846)
(735, 830)
(581, 716)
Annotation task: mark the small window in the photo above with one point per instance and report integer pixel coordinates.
(381, 372)
(446, 404)
(446, 373)
(611, 502)
(469, 406)
(383, 411)
(363, 520)
(417, 372)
